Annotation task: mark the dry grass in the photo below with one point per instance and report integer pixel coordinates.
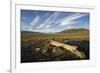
(48, 36)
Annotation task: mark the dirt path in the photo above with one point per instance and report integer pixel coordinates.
(72, 49)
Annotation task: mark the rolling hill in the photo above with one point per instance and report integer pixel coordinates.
(75, 31)
(30, 32)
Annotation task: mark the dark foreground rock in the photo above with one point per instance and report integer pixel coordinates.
(39, 50)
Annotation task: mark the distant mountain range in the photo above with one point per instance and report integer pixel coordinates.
(80, 30)
(30, 32)
(70, 31)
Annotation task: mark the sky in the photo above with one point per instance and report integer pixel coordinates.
(52, 21)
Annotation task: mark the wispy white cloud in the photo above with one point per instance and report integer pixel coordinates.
(49, 21)
(70, 19)
(35, 22)
(66, 21)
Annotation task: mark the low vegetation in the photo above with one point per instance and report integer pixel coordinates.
(37, 48)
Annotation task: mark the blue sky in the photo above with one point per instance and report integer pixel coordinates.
(51, 21)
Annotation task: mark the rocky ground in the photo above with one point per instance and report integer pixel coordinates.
(40, 50)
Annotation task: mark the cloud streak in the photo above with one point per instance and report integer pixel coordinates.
(70, 19)
(49, 21)
(35, 22)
